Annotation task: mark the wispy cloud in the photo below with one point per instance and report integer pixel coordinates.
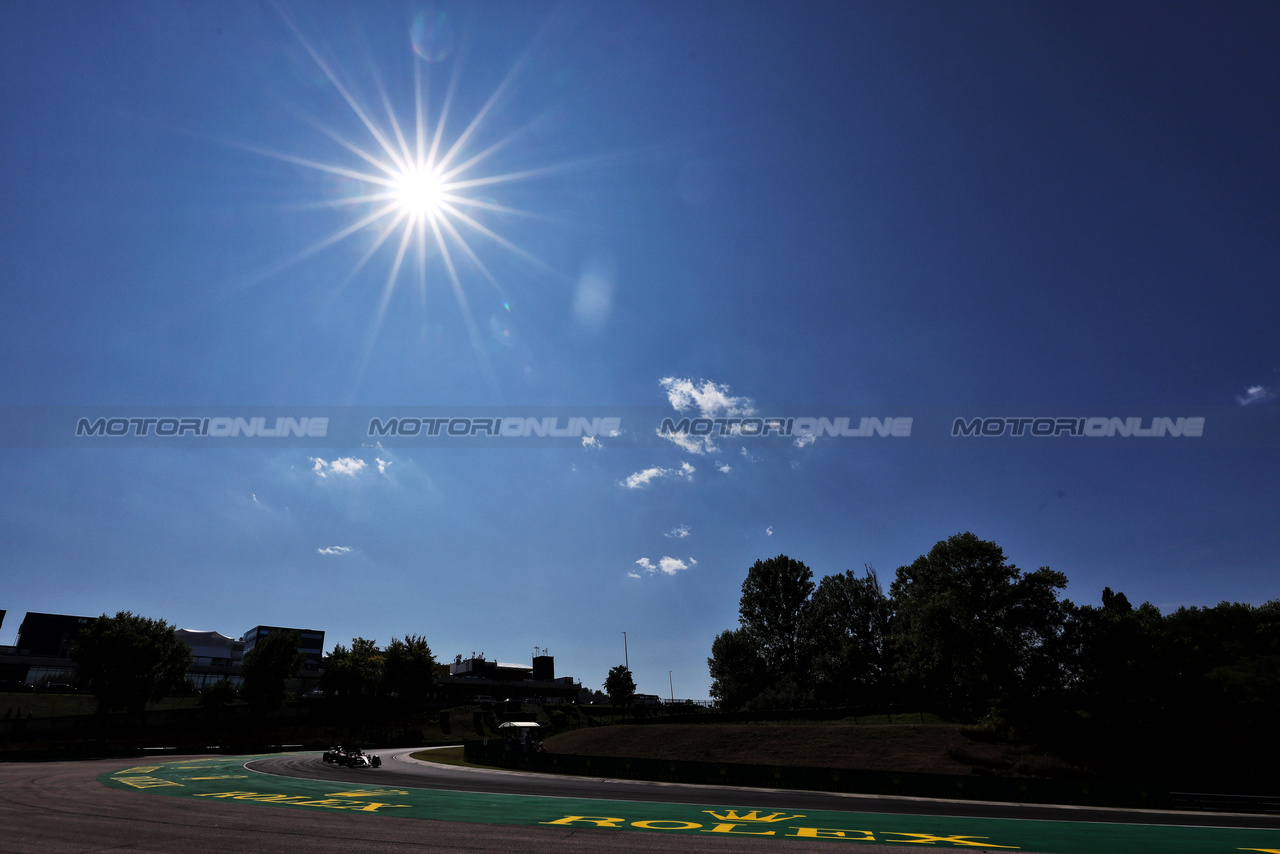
(1255, 394)
(591, 443)
(690, 443)
(349, 466)
(724, 468)
(710, 399)
(334, 550)
(644, 478)
(666, 565)
(768, 532)
(678, 533)
(382, 465)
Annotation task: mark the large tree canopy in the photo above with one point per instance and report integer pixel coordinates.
(269, 666)
(128, 660)
(972, 627)
(848, 622)
(408, 669)
(619, 685)
(738, 672)
(965, 633)
(765, 661)
(775, 595)
(353, 672)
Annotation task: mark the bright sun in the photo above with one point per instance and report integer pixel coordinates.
(418, 192)
(414, 190)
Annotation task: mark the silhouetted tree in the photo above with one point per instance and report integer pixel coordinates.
(128, 660)
(353, 672)
(619, 685)
(738, 671)
(269, 666)
(973, 628)
(848, 623)
(408, 669)
(775, 596)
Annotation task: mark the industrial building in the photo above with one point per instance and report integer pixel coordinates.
(477, 679)
(41, 653)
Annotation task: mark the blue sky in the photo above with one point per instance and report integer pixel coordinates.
(912, 209)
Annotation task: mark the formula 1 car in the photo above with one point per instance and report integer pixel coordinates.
(352, 757)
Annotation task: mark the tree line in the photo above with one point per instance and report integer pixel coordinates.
(128, 660)
(405, 670)
(963, 632)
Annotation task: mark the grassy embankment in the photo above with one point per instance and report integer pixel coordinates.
(904, 744)
(934, 747)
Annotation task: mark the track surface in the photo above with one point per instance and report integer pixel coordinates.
(57, 808)
(61, 808)
(401, 770)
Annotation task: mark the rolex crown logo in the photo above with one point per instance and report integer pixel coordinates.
(754, 815)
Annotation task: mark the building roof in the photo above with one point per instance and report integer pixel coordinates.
(208, 637)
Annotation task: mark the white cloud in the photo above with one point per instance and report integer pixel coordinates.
(643, 478)
(347, 465)
(666, 565)
(1255, 394)
(671, 565)
(334, 550)
(712, 400)
(768, 532)
(679, 532)
(631, 573)
(692, 444)
(382, 465)
(806, 440)
(724, 468)
(746, 455)
(343, 465)
(591, 442)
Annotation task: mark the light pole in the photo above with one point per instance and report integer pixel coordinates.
(626, 661)
(671, 685)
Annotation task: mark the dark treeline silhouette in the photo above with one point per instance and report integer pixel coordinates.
(1189, 697)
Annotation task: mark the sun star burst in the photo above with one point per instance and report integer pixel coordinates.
(417, 192)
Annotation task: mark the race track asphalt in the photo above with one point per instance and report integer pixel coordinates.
(400, 770)
(63, 807)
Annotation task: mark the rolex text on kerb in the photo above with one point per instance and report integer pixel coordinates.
(777, 824)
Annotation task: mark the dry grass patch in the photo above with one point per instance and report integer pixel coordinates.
(930, 749)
